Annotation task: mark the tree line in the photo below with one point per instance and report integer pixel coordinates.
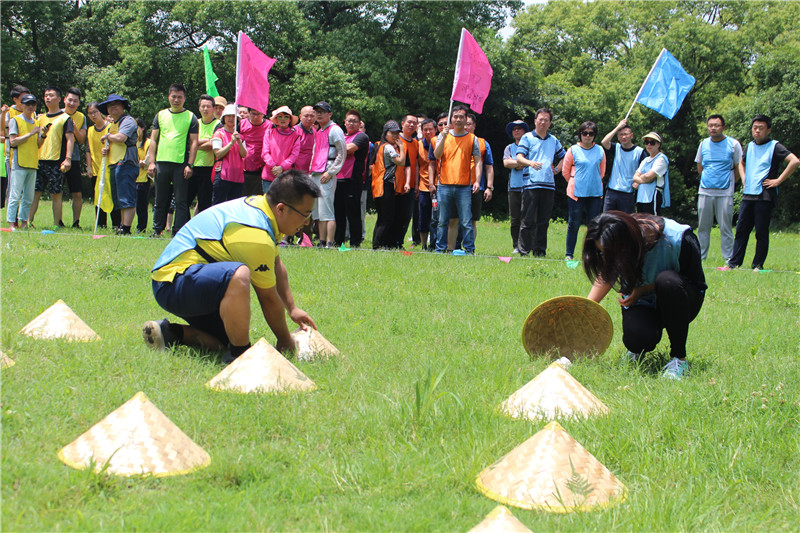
(584, 61)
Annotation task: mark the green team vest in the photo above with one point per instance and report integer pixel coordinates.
(172, 135)
(27, 152)
(204, 159)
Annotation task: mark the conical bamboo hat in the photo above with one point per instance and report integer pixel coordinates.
(551, 471)
(500, 520)
(261, 369)
(553, 393)
(569, 326)
(59, 322)
(312, 345)
(6, 361)
(135, 439)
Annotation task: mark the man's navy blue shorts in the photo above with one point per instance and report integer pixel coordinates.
(196, 294)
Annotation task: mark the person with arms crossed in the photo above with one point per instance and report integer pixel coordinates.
(518, 173)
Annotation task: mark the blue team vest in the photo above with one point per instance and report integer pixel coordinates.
(647, 191)
(717, 163)
(536, 149)
(757, 165)
(210, 224)
(625, 164)
(517, 177)
(663, 256)
(588, 181)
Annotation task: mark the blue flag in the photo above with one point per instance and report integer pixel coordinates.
(666, 86)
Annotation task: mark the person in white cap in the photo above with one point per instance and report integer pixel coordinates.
(651, 179)
(230, 149)
(281, 145)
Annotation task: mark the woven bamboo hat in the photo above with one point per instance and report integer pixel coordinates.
(552, 472)
(311, 345)
(500, 520)
(59, 322)
(135, 439)
(261, 369)
(6, 361)
(570, 326)
(552, 394)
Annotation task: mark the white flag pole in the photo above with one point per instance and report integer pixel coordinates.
(238, 61)
(455, 74)
(102, 183)
(645, 81)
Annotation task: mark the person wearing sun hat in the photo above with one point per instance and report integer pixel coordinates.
(123, 136)
(281, 145)
(651, 179)
(515, 130)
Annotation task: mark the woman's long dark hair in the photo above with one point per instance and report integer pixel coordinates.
(615, 247)
(140, 122)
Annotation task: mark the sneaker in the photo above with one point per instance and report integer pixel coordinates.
(568, 258)
(156, 235)
(676, 369)
(632, 357)
(515, 251)
(158, 335)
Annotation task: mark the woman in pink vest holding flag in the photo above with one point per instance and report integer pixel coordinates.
(281, 145)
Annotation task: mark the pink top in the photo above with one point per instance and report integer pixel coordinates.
(303, 161)
(281, 148)
(232, 162)
(322, 147)
(349, 161)
(253, 137)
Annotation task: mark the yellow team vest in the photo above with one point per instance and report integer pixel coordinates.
(51, 147)
(78, 119)
(95, 148)
(142, 177)
(28, 151)
(12, 112)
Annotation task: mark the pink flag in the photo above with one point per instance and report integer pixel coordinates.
(252, 68)
(305, 242)
(473, 74)
(504, 259)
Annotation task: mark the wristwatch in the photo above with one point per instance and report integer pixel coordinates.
(491, 188)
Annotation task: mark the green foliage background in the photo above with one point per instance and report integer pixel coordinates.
(585, 61)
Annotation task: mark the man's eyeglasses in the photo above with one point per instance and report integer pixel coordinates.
(306, 218)
(650, 141)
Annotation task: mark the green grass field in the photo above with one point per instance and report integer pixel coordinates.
(719, 451)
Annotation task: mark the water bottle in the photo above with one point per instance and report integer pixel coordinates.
(434, 201)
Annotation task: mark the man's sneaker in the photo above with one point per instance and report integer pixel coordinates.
(632, 357)
(515, 251)
(676, 369)
(158, 335)
(568, 258)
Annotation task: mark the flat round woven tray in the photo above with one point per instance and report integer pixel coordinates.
(567, 326)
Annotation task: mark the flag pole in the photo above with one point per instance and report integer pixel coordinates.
(236, 94)
(645, 81)
(455, 75)
(100, 192)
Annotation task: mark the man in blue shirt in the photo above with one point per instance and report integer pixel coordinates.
(544, 154)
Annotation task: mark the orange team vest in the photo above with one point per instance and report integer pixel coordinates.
(457, 160)
(424, 160)
(378, 170)
(411, 148)
(482, 148)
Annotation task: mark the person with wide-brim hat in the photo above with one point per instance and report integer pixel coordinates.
(515, 129)
(103, 106)
(651, 179)
(281, 145)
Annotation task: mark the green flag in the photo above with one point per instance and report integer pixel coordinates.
(211, 78)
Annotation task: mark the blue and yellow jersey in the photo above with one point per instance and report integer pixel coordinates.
(241, 230)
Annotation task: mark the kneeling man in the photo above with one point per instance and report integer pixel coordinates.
(205, 272)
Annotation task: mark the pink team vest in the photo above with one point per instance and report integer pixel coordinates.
(322, 147)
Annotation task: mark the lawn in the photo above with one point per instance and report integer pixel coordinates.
(718, 451)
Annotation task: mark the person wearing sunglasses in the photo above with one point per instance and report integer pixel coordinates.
(204, 274)
(584, 167)
(651, 179)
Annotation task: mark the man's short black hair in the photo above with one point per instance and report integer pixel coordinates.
(762, 118)
(206, 97)
(715, 116)
(18, 91)
(463, 108)
(77, 92)
(428, 121)
(52, 88)
(473, 117)
(543, 110)
(353, 112)
(177, 88)
(290, 188)
(441, 116)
